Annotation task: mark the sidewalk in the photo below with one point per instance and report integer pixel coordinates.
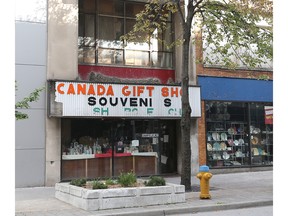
(228, 191)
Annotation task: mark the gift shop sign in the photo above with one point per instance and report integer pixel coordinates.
(120, 100)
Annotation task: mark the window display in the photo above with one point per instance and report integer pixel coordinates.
(261, 136)
(227, 144)
(237, 135)
(105, 148)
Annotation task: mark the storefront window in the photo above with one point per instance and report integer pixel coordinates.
(105, 148)
(261, 132)
(237, 134)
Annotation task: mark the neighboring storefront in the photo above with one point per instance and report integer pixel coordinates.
(109, 128)
(238, 122)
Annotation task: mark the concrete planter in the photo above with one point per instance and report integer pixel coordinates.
(101, 199)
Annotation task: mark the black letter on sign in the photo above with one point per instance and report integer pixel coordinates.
(102, 101)
(92, 101)
(167, 102)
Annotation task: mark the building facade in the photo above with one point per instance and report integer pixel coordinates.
(110, 108)
(236, 127)
(30, 73)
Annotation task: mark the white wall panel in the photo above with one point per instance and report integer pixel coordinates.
(30, 133)
(30, 43)
(29, 167)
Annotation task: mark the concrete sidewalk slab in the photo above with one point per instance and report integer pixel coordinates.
(228, 191)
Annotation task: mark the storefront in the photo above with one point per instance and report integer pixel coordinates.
(239, 122)
(238, 135)
(111, 128)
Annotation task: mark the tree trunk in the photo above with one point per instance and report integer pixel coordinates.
(186, 113)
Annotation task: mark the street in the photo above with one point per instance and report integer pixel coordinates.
(256, 211)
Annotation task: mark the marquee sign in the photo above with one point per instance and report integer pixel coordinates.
(123, 100)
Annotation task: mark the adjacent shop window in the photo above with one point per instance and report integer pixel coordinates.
(261, 130)
(101, 23)
(238, 134)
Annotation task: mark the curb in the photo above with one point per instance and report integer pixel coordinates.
(219, 207)
(192, 210)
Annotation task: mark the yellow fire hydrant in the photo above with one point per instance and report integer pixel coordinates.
(204, 175)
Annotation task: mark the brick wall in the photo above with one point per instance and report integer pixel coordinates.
(202, 136)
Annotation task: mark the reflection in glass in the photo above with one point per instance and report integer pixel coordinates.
(136, 58)
(102, 23)
(110, 56)
(89, 55)
(161, 59)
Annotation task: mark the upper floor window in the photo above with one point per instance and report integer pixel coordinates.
(102, 23)
(239, 56)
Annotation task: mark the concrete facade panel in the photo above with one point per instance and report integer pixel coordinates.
(30, 43)
(30, 77)
(29, 166)
(30, 133)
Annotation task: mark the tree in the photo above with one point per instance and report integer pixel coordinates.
(24, 103)
(241, 29)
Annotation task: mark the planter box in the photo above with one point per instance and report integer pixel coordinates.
(101, 199)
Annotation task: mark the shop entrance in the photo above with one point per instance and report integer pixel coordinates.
(160, 136)
(94, 148)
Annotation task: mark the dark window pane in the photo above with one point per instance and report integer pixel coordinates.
(81, 25)
(87, 6)
(110, 7)
(167, 37)
(132, 9)
(129, 25)
(90, 26)
(111, 28)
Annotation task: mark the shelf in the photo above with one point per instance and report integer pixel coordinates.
(260, 145)
(219, 150)
(77, 157)
(226, 121)
(262, 155)
(242, 132)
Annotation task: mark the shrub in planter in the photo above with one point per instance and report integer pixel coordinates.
(78, 182)
(98, 185)
(155, 181)
(127, 179)
(111, 182)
